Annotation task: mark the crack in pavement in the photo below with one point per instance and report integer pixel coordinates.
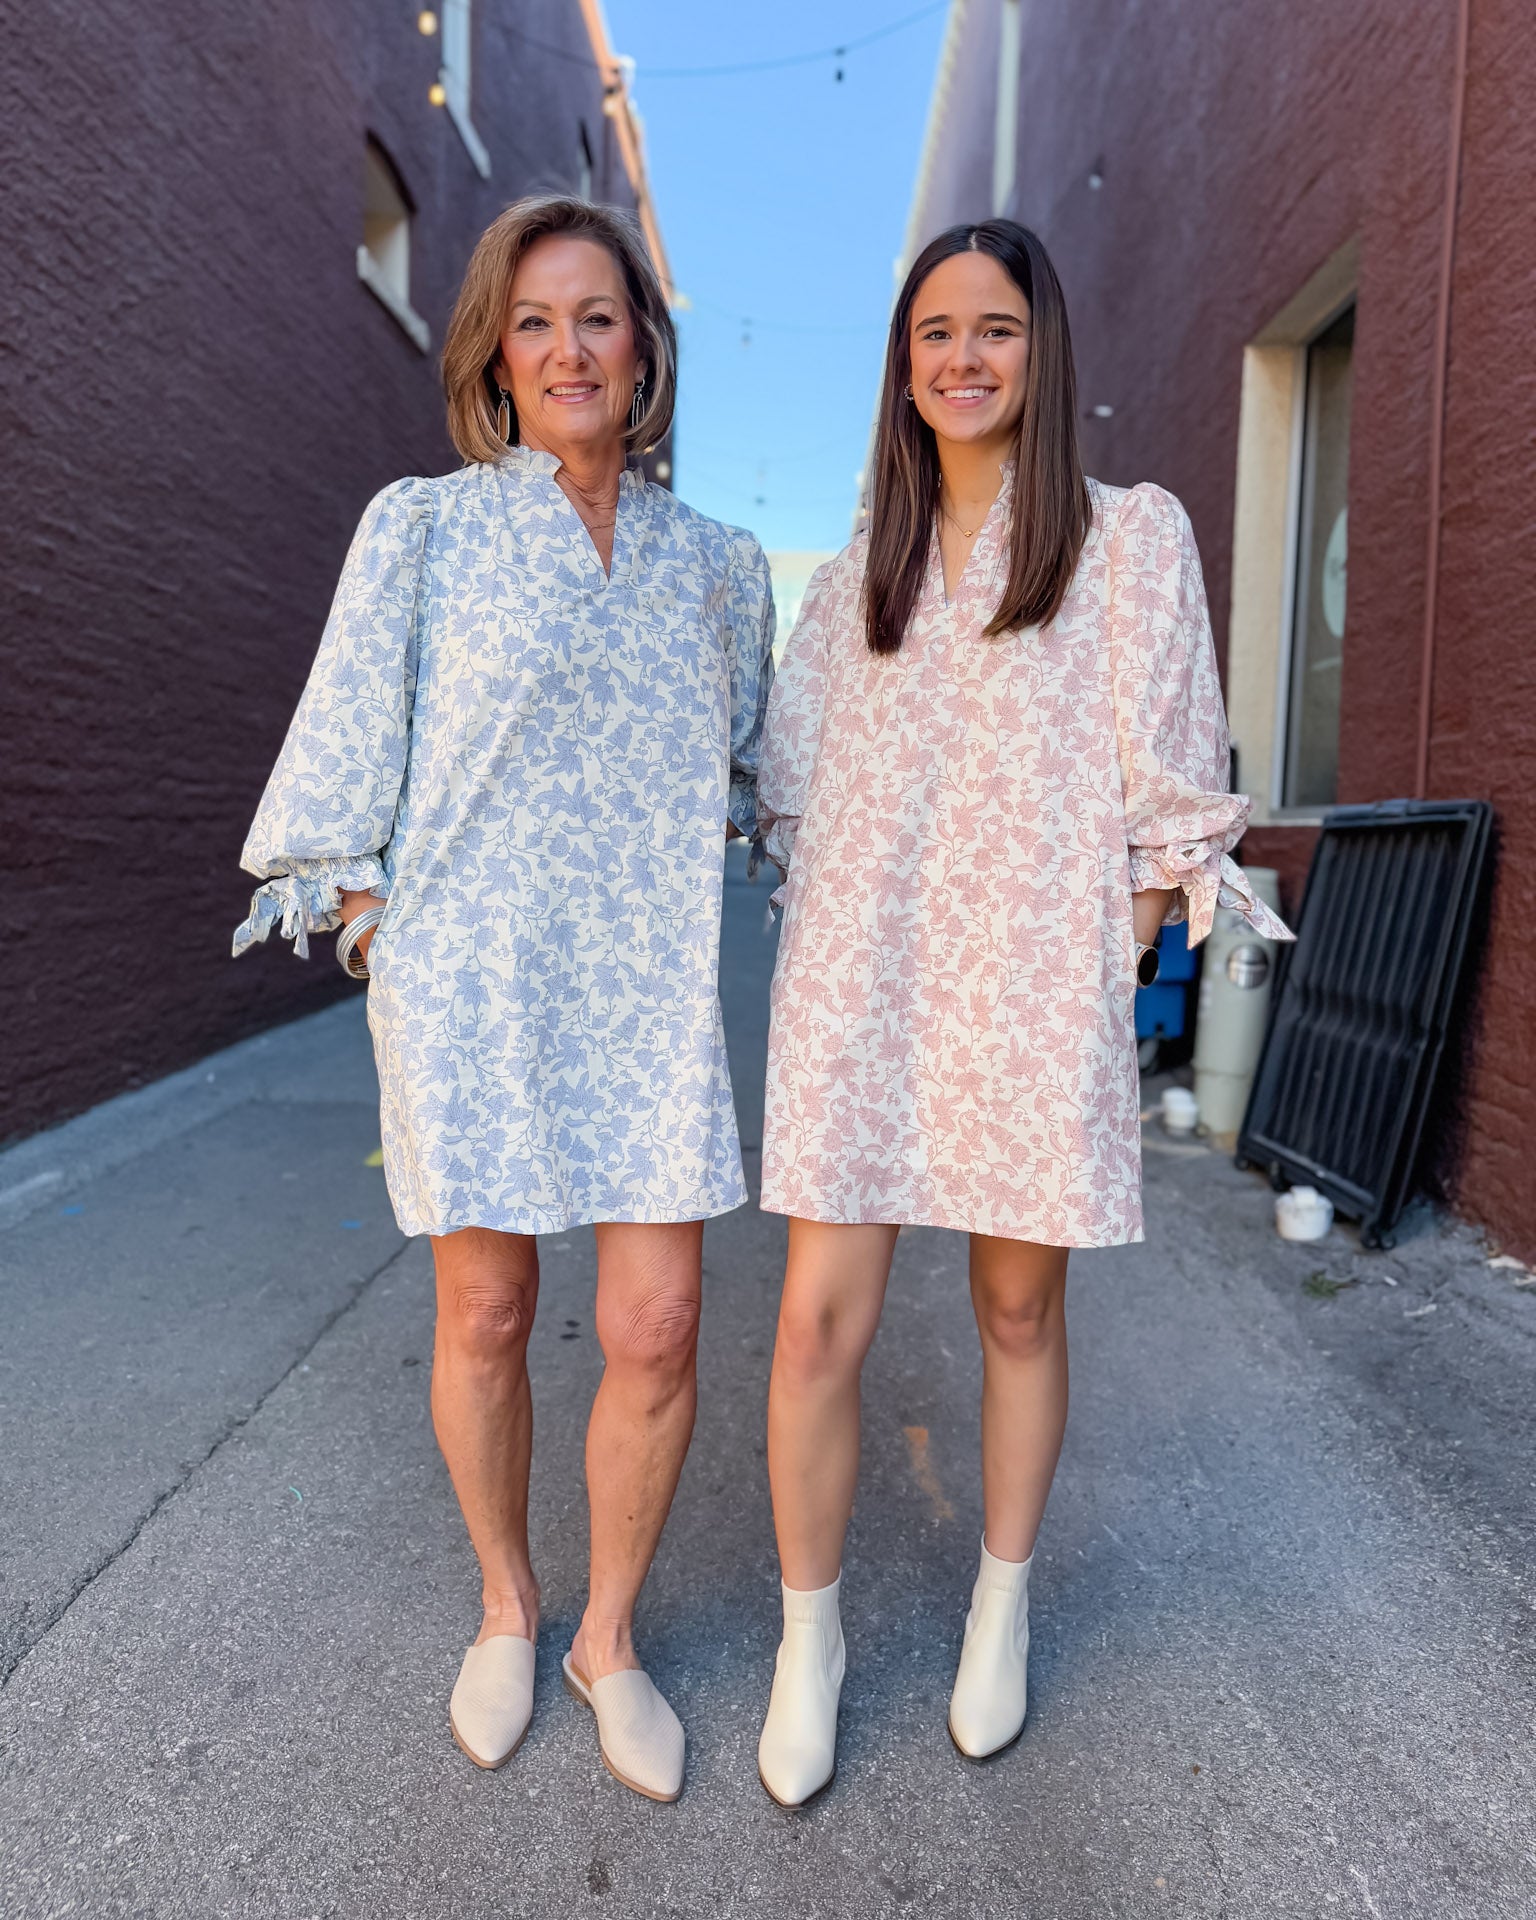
(110, 1558)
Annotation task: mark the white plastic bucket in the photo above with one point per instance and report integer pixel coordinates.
(1303, 1214)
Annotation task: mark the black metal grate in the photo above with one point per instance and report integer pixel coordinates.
(1349, 1061)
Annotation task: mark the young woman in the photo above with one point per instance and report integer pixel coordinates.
(994, 759)
(531, 726)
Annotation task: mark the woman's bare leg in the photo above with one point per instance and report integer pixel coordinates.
(487, 1290)
(1019, 1293)
(834, 1287)
(648, 1291)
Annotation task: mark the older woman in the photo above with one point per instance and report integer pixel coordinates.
(533, 720)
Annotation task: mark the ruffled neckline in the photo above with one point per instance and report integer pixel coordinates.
(523, 459)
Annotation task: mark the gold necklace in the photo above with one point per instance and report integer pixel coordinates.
(969, 532)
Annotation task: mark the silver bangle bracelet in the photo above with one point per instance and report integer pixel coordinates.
(352, 963)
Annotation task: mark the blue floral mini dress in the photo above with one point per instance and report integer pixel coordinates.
(533, 762)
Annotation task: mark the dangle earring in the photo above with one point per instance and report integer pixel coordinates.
(637, 405)
(504, 416)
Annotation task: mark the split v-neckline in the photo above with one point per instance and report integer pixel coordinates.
(580, 534)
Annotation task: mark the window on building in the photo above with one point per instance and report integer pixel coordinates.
(458, 36)
(1316, 653)
(1292, 456)
(583, 165)
(384, 258)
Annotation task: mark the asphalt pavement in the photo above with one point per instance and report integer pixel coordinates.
(1284, 1654)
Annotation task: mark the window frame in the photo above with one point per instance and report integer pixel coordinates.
(371, 270)
(1281, 808)
(586, 163)
(455, 74)
(1265, 528)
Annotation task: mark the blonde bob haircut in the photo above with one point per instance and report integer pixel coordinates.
(473, 341)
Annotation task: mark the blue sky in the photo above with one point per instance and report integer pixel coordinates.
(783, 200)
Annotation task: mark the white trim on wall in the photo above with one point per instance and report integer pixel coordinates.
(1265, 530)
(458, 33)
(1005, 136)
(1296, 359)
(378, 284)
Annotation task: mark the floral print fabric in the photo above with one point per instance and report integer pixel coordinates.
(964, 823)
(534, 762)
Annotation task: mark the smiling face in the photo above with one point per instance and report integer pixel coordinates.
(969, 342)
(569, 351)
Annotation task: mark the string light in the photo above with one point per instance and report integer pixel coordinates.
(836, 54)
(437, 93)
(426, 22)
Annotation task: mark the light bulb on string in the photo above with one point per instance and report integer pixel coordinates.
(437, 93)
(838, 54)
(426, 22)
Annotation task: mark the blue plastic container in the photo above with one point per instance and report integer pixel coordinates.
(1163, 1009)
(1160, 1012)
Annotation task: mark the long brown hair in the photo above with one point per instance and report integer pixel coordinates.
(1052, 511)
(474, 332)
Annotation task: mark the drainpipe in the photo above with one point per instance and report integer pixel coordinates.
(1437, 402)
(1005, 139)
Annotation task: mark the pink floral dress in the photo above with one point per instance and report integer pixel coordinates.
(963, 824)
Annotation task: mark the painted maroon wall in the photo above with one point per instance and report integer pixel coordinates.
(1240, 145)
(199, 397)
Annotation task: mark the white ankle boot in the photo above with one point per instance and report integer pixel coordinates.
(986, 1709)
(797, 1753)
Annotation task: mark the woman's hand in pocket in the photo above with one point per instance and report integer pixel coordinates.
(1148, 911)
(352, 904)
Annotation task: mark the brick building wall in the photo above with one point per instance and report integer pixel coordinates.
(1191, 169)
(198, 396)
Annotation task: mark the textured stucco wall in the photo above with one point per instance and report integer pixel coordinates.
(1240, 145)
(198, 397)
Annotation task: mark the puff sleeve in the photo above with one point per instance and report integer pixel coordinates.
(749, 627)
(1180, 821)
(792, 731)
(329, 807)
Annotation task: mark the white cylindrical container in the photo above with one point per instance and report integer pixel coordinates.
(1303, 1214)
(1234, 1004)
(1180, 1110)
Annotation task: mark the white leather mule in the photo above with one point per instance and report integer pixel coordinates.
(640, 1737)
(493, 1699)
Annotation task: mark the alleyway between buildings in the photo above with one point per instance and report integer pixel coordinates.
(1284, 1657)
